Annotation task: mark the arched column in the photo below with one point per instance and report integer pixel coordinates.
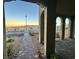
(72, 28)
(42, 28)
(4, 34)
(63, 27)
(50, 29)
(41, 24)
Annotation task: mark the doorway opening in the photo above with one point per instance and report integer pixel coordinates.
(58, 28)
(22, 29)
(67, 27)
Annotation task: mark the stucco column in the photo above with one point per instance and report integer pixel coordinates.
(4, 35)
(41, 21)
(42, 27)
(63, 27)
(50, 29)
(72, 28)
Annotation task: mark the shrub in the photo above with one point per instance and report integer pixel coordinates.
(53, 56)
(57, 35)
(10, 40)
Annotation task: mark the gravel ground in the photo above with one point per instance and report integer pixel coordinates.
(65, 49)
(27, 50)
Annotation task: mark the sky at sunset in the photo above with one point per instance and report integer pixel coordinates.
(16, 11)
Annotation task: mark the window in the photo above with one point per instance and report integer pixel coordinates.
(67, 27)
(58, 28)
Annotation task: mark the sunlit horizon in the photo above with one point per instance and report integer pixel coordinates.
(17, 24)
